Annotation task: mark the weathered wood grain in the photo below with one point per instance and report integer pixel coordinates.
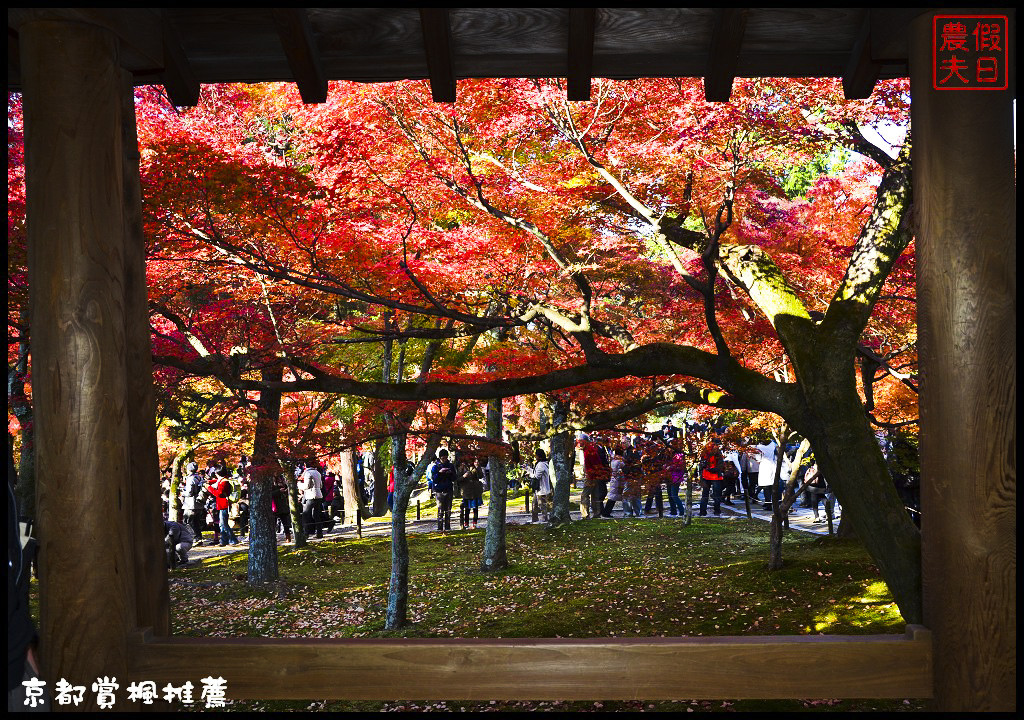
(145, 511)
(73, 159)
(964, 193)
(387, 44)
(549, 669)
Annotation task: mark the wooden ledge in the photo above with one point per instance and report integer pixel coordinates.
(812, 666)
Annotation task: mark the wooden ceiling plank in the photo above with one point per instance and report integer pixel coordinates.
(726, 40)
(582, 25)
(303, 57)
(437, 41)
(862, 72)
(178, 78)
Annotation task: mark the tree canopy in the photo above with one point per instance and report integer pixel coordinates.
(643, 249)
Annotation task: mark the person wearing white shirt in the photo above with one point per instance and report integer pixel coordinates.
(766, 472)
(542, 493)
(311, 485)
(750, 463)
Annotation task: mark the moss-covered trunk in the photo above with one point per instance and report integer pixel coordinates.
(495, 556)
(850, 458)
(562, 459)
(174, 496)
(398, 587)
(295, 507)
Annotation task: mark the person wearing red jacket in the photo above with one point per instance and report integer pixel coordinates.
(595, 478)
(220, 488)
(712, 477)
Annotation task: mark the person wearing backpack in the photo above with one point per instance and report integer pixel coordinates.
(616, 484)
(471, 483)
(676, 468)
(442, 481)
(220, 489)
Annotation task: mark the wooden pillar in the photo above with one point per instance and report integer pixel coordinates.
(76, 259)
(146, 514)
(964, 196)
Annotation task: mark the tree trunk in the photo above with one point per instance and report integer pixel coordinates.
(380, 481)
(775, 532)
(350, 484)
(174, 499)
(562, 458)
(850, 458)
(295, 507)
(495, 555)
(783, 501)
(262, 565)
(775, 542)
(398, 587)
(846, 529)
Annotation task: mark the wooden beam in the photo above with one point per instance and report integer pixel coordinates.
(179, 81)
(301, 50)
(966, 209)
(861, 71)
(582, 24)
(137, 29)
(726, 40)
(76, 258)
(873, 666)
(437, 42)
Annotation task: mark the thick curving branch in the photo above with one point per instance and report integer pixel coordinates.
(748, 388)
(884, 237)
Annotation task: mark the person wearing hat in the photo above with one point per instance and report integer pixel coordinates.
(192, 502)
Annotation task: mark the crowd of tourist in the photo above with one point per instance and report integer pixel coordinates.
(214, 501)
(643, 474)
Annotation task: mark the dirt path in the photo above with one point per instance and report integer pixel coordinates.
(799, 519)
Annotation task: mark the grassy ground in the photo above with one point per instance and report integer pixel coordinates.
(620, 578)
